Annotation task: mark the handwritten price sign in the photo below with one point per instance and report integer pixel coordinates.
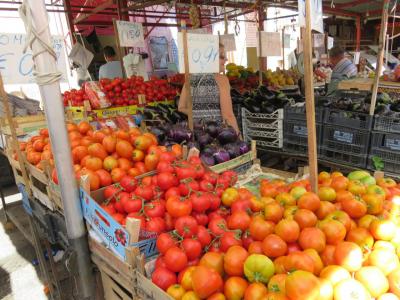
(203, 53)
(316, 15)
(16, 66)
(130, 34)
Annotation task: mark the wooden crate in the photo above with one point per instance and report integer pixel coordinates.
(24, 125)
(16, 170)
(147, 290)
(115, 286)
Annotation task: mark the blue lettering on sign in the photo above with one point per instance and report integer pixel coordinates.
(18, 39)
(23, 68)
(4, 39)
(4, 60)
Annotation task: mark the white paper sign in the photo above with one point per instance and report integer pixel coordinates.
(198, 30)
(318, 40)
(316, 15)
(286, 41)
(330, 42)
(356, 60)
(203, 53)
(228, 40)
(271, 44)
(130, 34)
(16, 67)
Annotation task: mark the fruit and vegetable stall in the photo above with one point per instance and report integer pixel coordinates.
(164, 207)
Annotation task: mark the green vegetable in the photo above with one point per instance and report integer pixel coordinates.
(378, 163)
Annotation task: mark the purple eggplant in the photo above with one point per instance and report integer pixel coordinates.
(221, 156)
(211, 128)
(243, 147)
(180, 134)
(207, 159)
(204, 140)
(232, 149)
(227, 135)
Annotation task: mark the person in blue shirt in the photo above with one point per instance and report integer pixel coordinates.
(112, 69)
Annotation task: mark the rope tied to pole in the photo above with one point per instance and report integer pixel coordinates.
(33, 35)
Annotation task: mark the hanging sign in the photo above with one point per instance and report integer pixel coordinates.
(316, 15)
(16, 67)
(228, 40)
(203, 53)
(286, 41)
(356, 59)
(130, 34)
(318, 40)
(271, 44)
(330, 42)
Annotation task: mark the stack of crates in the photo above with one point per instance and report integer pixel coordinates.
(265, 129)
(385, 144)
(295, 133)
(346, 137)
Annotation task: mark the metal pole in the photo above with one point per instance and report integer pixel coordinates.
(51, 95)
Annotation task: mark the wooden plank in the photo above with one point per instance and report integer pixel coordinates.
(187, 75)
(120, 54)
(111, 259)
(310, 106)
(99, 8)
(382, 38)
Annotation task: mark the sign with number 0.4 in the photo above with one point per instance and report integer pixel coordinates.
(316, 14)
(130, 34)
(203, 53)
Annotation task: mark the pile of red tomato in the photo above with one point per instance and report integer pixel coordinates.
(182, 196)
(342, 243)
(122, 92)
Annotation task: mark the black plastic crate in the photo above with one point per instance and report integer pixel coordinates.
(359, 161)
(345, 145)
(349, 119)
(346, 140)
(292, 113)
(386, 147)
(295, 136)
(386, 141)
(387, 124)
(237, 111)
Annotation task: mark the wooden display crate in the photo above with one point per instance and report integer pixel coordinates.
(118, 277)
(24, 125)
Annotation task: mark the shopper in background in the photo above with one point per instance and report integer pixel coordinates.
(211, 96)
(342, 68)
(112, 68)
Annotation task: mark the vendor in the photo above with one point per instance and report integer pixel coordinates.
(112, 68)
(342, 68)
(211, 96)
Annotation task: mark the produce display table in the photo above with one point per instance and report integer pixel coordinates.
(365, 84)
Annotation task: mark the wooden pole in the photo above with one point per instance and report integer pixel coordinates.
(283, 48)
(358, 33)
(118, 47)
(260, 59)
(310, 107)
(382, 38)
(187, 75)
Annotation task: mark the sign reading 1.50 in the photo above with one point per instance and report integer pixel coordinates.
(130, 34)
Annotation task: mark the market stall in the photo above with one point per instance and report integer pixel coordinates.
(168, 207)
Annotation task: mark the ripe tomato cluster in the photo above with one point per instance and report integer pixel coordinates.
(75, 97)
(182, 196)
(121, 92)
(341, 243)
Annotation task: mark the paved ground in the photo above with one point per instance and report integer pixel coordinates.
(18, 277)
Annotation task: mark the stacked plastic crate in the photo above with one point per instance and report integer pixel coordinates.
(384, 151)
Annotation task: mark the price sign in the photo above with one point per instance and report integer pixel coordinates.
(319, 40)
(271, 44)
(316, 14)
(286, 40)
(228, 40)
(330, 42)
(203, 53)
(130, 34)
